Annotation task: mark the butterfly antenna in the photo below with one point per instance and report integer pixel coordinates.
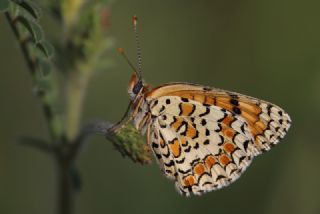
(134, 22)
(121, 51)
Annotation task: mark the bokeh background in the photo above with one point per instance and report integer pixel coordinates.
(267, 49)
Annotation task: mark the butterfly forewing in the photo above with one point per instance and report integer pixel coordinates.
(267, 122)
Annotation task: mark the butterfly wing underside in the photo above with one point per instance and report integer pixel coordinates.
(205, 138)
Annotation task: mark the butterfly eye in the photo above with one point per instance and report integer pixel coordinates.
(137, 87)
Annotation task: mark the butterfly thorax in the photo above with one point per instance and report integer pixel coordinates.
(137, 91)
(141, 114)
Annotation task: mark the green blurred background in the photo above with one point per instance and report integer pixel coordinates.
(267, 49)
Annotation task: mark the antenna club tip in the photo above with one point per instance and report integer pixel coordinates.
(134, 20)
(120, 50)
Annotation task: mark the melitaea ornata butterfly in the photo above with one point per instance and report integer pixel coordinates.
(203, 138)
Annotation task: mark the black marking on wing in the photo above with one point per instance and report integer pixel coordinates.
(220, 177)
(205, 113)
(166, 155)
(219, 128)
(222, 140)
(241, 159)
(236, 110)
(174, 120)
(224, 116)
(184, 171)
(163, 126)
(234, 96)
(180, 161)
(184, 123)
(245, 144)
(207, 132)
(195, 161)
(183, 99)
(203, 122)
(242, 128)
(196, 146)
(269, 109)
(206, 142)
(197, 135)
(188, 149)
(171, 163)
(162, 109)
(234, 102)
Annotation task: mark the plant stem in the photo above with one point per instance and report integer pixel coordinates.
(65, 196)
(75, 93)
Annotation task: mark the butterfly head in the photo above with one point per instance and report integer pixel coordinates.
(135, 86)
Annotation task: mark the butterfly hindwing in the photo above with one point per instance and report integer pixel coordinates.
(202, 147)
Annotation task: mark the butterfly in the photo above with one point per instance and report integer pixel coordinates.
(203, 138)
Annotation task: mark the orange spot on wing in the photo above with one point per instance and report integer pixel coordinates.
(181, 94)
(253, 108)
(177, 123)
(199, 169)
(259, 124)
(257, 128)
(253, 130)
(199, 97)
(229, 147)
(249, 117)
(209, 100)
(191, 132)
(227, 120)
(188, 96)
(224, 102)
(223, 99)
(189, 181)
(186, 109)
(210, 161)
(224, 160)
(175, 148)
(229, 132)
(183, 141)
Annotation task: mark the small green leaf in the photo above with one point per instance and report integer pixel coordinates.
(44, 67)
(33, 28)
(30, 7)
(41, 87)
(4, 5)
(46, 48)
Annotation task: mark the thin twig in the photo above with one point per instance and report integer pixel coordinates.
(98, 127)
(38, 144)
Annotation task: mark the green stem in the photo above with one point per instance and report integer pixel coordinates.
(77, 83)
(65, 194)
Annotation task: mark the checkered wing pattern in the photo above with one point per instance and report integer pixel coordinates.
(204, 138)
